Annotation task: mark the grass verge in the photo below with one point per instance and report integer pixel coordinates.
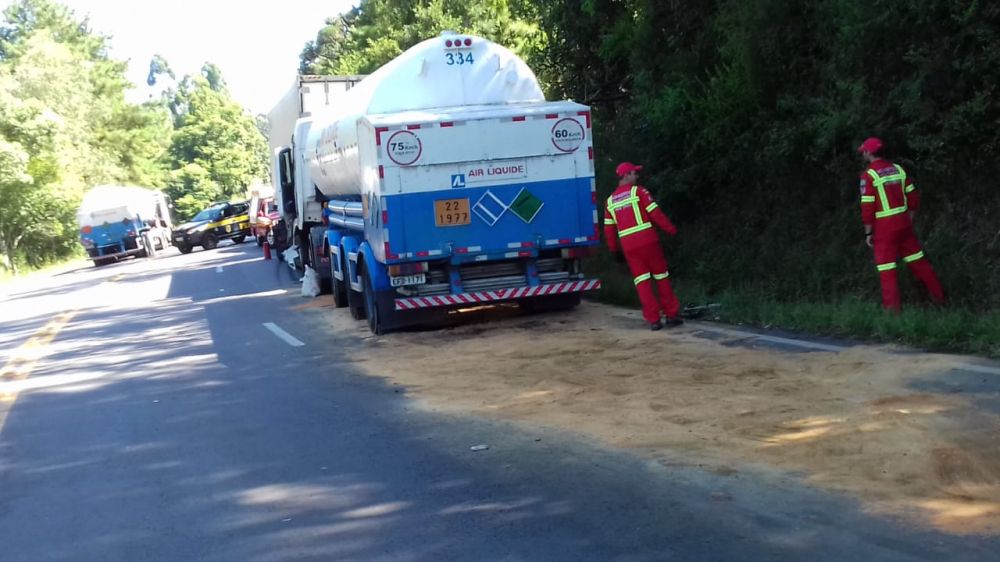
(951, 329)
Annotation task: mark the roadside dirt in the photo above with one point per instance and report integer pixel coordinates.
(846, 421)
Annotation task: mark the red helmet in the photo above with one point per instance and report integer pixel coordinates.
(626, 167)
(871, 145)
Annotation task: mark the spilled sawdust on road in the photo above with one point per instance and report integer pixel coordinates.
(849, 421)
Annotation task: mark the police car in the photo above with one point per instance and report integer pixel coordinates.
(221, 221)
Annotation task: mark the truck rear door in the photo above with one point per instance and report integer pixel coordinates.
(483, 184)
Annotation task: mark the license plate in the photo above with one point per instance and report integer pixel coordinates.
(229, 228)
(451, 212)
(403, 280)
(178, 238)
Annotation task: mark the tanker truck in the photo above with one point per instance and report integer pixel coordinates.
(448, 182)
(118, 221)
(300, 211)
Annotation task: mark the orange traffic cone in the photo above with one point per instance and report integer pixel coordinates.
(267, 250)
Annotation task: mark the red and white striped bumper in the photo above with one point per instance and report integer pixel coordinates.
(413, 303)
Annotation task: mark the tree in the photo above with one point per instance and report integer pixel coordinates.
(64, 127)
(217, 149)
(376, 31)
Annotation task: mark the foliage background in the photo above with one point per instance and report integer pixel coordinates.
(65, 126)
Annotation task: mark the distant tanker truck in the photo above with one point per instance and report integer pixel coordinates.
(448, 181)
(118, 221)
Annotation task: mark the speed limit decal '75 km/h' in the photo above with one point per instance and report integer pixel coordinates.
(404, 148)
(567, 135)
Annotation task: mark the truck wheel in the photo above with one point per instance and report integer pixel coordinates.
(185, 249)
(337, 287)
(324, 283)
(210, 242)
(355, 300)
(380, 318)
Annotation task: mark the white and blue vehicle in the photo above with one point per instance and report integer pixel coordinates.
(448, 181)
(120, 221)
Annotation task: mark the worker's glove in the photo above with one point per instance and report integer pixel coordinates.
(620, 257)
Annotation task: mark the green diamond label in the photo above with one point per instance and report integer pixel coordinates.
(526, 206)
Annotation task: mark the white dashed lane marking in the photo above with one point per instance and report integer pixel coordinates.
(283, 335)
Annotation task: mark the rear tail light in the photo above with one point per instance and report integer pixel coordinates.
(408, 268)
(86, 230)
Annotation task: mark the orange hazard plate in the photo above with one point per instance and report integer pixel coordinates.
(451, 212)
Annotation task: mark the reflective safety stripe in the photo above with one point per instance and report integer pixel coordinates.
(890, 213)
(609, 221)
(631, 201)
(634, 229)
(910, 188)
(641, 278)
(914, 257)
(867, 198)
(661, 276)
(879, 183)
(886, 266)
(651, 207)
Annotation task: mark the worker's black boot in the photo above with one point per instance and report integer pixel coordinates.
(656, 325)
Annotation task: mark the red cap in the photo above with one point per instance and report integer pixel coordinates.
(626, 167)
(871, 145)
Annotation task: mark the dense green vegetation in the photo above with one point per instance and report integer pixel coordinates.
(747, 114)
(65, 126)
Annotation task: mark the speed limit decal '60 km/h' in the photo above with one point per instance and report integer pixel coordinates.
(404, 148)
(568, 134)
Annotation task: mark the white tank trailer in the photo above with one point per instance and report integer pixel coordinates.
(448, 180)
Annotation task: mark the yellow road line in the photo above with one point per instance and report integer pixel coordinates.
(24, 358)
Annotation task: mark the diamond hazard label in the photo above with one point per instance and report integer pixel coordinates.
(526, 206)
(490, 208)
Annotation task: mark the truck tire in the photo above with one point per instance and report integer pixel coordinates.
(315, 235)
(337, 287)
(355, 300)
(184, 248)
(381, 319)
(210, 242)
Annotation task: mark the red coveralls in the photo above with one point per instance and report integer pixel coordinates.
(629, 217)
(888, 197)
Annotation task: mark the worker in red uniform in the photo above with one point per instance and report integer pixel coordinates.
(888, 201)
(629, 218)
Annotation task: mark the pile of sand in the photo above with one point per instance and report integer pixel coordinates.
(847, 419)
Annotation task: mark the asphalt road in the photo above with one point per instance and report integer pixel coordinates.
(146, 413)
